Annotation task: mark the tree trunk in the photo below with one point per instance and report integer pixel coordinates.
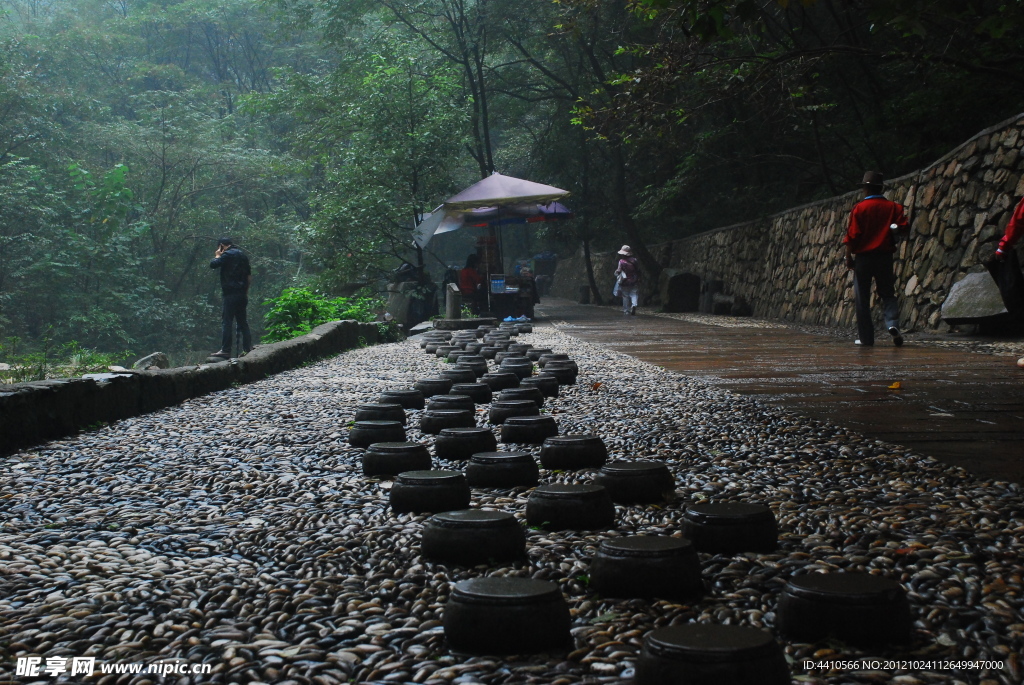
(625, 216)
(594, 290)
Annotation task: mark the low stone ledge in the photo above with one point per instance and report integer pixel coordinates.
(34, 412)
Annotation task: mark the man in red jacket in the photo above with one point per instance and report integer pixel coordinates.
(1014, 230)
(870, 246)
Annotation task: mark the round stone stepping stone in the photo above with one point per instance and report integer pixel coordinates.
(442, 351)
(502, 345)
(500, 357)
(730, 527)
(459, 375)
(463, 443)
(451, 401)
(473, 536)
(534, 353)
(637, 482)
(859, 608)
(488, 351)
(429, 338)
(500, 380)
(431, 347)
(392, 458)
(434, 421)
(554, 364)
(421, 492)
(571, 452)
(454, 355)
(409, 399)
(520, 366)
(547, 384)
(570, 507)
(565, 375)
(502, 470)
(459, 345)
(365, 433)
(551, 357)
(500, 411)
(433, 386)
(520, 348)
(524, 328)
(523, 392)
(474, 347)
(479, 392)
(506, 616)
(646, 567)
(390, 411)
(702, 654)
(528, 430)
(475, 362)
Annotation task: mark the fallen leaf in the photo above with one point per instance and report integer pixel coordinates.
(595, 386)
(895, 386)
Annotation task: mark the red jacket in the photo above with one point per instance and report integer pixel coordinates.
(871, 222)
(1014, 229)
(469, 280)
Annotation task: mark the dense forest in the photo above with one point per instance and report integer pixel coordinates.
(133, 133)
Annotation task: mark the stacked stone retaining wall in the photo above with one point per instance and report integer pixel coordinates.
(790, 265)
(31, 413)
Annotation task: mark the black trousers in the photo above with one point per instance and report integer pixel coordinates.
(876, 266)
(234, 310)
(1008, 278)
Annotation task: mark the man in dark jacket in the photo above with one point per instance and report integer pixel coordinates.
(870, 246)
(235, 279)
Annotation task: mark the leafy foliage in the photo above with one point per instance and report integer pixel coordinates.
(299, 310)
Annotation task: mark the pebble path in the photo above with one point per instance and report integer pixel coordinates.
(238, 530)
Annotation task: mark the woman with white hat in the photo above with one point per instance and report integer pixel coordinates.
(627, 279)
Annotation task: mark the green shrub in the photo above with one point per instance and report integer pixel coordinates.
(297, 311)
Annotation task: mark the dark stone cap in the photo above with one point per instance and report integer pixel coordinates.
(506, 590)
(380, 406)
(378, 424)
(846, 588)
(634, 468)
(501, 458)
(530, 420)
(451, 398)
(430, 477)
(473, 518)
(464, 432)
(444, 414)
(711, 643)
(562, 491)
(728, 513)
(398, 448)
(646, 546)
(573, 440)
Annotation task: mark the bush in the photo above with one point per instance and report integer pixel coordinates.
(297, 311)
